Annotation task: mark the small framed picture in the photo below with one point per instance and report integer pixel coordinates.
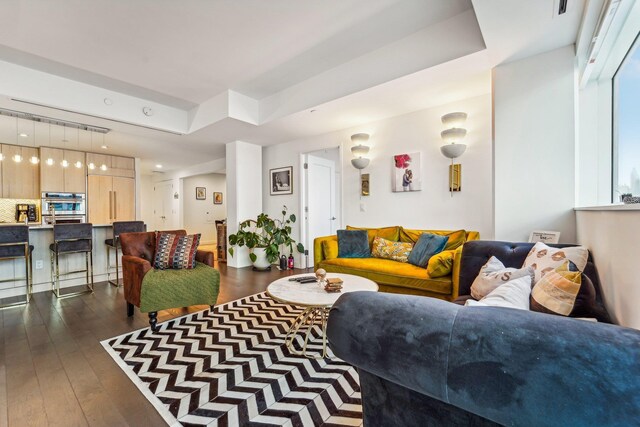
(201, 193)
(544, 237)
(217, 198)
(281, 180)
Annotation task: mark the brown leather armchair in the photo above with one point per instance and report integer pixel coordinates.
(138, 253)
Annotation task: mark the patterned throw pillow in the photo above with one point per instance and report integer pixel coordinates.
(543, 258)
(556, 292)
(494, 274)
(397, 251)
(176, 252)
(513, 294)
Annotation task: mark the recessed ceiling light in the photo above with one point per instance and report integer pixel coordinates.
(108, 101)
(159, 166)
(23, 135)
(104, 147)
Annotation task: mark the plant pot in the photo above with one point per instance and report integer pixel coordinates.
(261, 262)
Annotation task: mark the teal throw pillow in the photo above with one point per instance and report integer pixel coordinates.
(427, 246)
(353, 244)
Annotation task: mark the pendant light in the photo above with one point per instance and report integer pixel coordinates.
(78, 164)
(64, 161)
(17, 157)
(91, 165)
(50, 161)
(103, 167)
(34, 159)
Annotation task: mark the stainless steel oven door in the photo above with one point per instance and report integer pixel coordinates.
(65, 219)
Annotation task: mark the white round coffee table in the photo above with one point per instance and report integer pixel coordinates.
(317, 303)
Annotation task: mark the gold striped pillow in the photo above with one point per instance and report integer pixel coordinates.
(556, 291)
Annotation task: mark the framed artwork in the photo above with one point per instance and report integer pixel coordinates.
(217, 198)
(406, 172)
(544, 236)
(201, 193)
(281, 180)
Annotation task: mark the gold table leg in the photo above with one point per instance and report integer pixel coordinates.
(308, 319)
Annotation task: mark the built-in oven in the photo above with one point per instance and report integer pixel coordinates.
(63, 208)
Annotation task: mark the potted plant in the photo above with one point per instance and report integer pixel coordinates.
(264, 236)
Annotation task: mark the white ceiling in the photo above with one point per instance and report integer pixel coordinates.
(353, 61)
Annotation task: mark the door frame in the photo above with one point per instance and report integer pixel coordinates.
(304, 235)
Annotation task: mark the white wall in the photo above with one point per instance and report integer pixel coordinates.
(200, 215)
(534, 146)
(433, 207)
(613, 236)
(146, 200)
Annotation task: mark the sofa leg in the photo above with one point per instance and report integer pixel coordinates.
(129, 309)
(153, 320)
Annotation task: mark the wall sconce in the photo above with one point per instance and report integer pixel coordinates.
(453, 149)
(360, 150)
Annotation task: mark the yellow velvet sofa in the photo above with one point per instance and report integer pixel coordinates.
(398, 277)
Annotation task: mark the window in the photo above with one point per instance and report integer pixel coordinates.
(626, 125)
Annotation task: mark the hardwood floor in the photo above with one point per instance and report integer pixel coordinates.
(53, 370)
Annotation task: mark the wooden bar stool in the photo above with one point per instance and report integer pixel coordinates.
(114, 244)
(71, 239)
(14, 244)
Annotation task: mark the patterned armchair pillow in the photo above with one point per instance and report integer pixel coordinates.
(176, 252)
(397, 251)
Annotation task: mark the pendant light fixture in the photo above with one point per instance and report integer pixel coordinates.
(34, 159)
(64, 161)
(17, 157)
(78, 163)
(49, 161)
(103, 167)
(91, 165)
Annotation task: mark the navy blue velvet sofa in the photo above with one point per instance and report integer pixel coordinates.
(428, 362)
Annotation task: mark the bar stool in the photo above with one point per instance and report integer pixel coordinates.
(14, 244)
(71, 239)
(114, 244)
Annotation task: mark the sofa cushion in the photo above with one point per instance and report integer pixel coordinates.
(441, 264)
(428, 245)
(556, 291)
(175, 251)
(545, 258)
(386, 249)
(494, 274)
(330, 249)
(512, 294)
(353, 244)
(389, 233)
(456, 238)
(384, 271)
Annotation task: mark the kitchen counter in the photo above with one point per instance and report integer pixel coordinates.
(38, 226)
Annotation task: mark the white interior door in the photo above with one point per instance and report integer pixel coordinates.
(163, 213)
(321, 200)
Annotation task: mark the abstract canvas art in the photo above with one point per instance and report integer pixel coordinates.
(406, 172)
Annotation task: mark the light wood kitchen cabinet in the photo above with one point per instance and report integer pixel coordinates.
(20, 179)
(116, 165)
(56, 178)
(110, 199)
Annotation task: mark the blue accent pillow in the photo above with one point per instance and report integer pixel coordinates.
(353, 244)
(427, 246)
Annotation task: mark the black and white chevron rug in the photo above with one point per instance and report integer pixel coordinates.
(231, 367)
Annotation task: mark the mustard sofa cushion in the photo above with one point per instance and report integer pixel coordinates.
(456, 238)
(385, 271)
(388, 233)
(330, 249)
(441, 264)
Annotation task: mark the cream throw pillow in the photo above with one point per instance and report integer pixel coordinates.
(494, 274)
(513, 294)
(556, 292)
(543, 258)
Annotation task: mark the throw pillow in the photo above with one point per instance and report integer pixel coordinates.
(493, 274)
(456, 238)
(353, 244)
(389, 233)
(176, 252)
(441, 264)
(386, 249)
(330, 249)
(557, 291)
(427, 246)
(543, 258)
(513, 294)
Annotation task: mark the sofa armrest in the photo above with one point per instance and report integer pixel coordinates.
(513, 367)
(455, 273)
(318, 252)
(205, 257)
(133, 271)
